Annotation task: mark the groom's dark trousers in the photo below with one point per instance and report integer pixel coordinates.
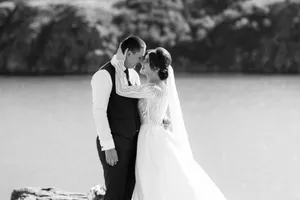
(124, 122)
(120, 179)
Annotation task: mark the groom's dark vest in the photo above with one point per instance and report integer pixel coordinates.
(122, 112)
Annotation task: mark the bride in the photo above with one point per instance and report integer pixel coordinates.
(165, 167)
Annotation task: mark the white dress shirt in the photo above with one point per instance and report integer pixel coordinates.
(101, 88)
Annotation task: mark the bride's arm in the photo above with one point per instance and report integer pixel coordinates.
(137, 91)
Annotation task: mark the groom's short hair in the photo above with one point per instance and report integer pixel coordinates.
(132, 43)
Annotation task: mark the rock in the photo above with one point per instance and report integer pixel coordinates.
(35, 193)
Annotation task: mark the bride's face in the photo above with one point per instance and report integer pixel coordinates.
(146, 69)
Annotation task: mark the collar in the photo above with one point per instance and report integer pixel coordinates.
(114, 60)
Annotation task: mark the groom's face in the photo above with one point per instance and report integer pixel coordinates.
(133, 58)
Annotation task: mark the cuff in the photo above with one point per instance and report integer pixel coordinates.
(107, 144)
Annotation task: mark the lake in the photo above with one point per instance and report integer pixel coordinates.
(244, 131)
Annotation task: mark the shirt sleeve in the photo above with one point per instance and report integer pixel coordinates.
(101, 88)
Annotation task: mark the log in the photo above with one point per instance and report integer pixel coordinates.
(34, 193)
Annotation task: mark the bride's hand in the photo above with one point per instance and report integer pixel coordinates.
(120, 59)
(120, 55)
(166, 123)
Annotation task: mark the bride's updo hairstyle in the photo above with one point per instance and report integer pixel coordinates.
(160, 59)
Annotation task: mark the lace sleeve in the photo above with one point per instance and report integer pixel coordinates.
(136, 91)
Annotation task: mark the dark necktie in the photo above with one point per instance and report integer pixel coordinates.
(127, 76)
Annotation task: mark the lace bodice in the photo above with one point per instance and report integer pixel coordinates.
(153, 110)
(152, 97)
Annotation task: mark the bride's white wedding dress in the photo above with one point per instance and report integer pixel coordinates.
(165, 168)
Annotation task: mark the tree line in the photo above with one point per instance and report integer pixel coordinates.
(203, 36)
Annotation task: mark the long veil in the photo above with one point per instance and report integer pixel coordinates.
(175, 112)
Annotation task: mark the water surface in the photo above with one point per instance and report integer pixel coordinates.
(244, 131)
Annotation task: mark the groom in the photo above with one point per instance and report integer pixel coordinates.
(117, 123)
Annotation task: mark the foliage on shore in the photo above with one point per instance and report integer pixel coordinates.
(202, 36)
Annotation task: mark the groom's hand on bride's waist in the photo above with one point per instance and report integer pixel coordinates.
(111, 157)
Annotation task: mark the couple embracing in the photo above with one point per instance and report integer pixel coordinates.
(143, 155)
